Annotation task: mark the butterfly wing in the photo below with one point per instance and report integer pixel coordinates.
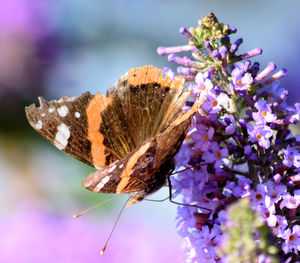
(73, 126)
(149, 101)
(128, 175)
(130, 136)
(64, 123)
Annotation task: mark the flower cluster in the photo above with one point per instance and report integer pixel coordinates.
(240, 144)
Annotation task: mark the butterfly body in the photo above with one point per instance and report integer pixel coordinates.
(130, 136)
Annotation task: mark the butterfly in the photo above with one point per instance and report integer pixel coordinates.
(130, 136)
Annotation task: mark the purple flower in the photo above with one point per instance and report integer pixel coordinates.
(264, 114)
(291, 240)
(215, 154)
(223, 52)
(185, 32)
(185, 61)
(230, 129)
(290, 201)
(260, 196)
(241, 80)
(170, 50)
(214, 103)
(230, 124)
(280, 226)
(243, 187)
(267, 214)
(266, 72)
(248, 150)
(275, 191)
(202, 136)
(184, 155)
(203, 241)
(252, 53)
(235, 45)
(235, 137)
(185, 219)
(291, 157)
(260, 134)
(204, 84)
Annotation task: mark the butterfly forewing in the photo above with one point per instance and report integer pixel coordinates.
(64, 124)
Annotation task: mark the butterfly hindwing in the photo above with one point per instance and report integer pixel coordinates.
(104, 180)
(128, 175)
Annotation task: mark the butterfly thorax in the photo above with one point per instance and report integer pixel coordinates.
(152, 180)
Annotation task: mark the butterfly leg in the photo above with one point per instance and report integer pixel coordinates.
(178, 203)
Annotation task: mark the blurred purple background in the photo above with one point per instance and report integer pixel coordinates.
(55, 48)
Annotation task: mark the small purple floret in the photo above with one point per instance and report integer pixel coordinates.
(266, 72)
(208, 46)
(185, 32)
(215, 53)
(170, 50)
(252, 53)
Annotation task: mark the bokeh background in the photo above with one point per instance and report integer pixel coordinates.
(55, 48)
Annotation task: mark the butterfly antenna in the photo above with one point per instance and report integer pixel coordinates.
(116, 222)
(161, 200)
(95, 206)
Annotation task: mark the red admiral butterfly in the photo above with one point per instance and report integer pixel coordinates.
(130, 136)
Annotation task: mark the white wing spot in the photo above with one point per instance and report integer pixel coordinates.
(121, 166)
(63, 111)
(77, 114)
(99, 186)
(39, 125)
(62, 136)
(105, 179)
(102, 182)
(111, 168)
(50, 110)
(43, 114)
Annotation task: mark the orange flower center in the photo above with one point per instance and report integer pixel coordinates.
(203, 87)
(218, 155)
(292, 238)
(274, 195)
(258, 136)
(239, 83)
(214, 103)
(264, 113)
(267, 214)
(258, 196)
(205, 137)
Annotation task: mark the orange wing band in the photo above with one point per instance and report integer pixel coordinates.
(93, 112)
